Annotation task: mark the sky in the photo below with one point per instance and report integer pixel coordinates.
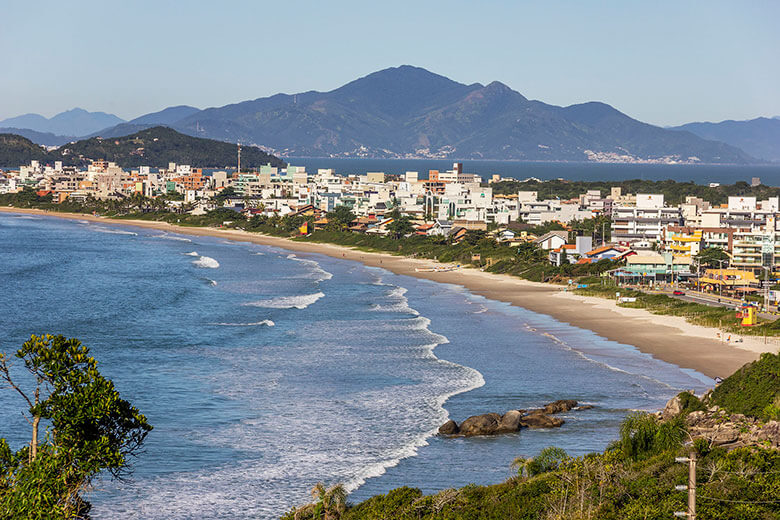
(662, 62)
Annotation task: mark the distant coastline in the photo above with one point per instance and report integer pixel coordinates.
(670, 339)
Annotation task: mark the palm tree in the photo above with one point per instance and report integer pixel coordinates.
(330, 502)
(548, 459)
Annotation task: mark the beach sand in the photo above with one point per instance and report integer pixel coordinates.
(668, 338)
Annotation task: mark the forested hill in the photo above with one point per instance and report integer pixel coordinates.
(150, 147)
(16, 150)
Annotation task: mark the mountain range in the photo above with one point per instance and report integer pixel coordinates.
(410, 112)
(75, 122)
(758, 137)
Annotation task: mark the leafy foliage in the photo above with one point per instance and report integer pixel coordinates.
(642, 435)
(752, 390)
(712, 257)
(90, 429)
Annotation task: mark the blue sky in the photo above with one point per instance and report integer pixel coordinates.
(664, 62)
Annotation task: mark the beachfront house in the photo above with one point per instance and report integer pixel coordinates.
(552, 240)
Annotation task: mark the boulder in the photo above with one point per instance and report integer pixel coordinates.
(562, 405)
(673, 408)
(540, 420)
(510, 421)
(771, 432)
(449, 428)
(485, 424)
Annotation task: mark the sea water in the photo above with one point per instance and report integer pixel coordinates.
(265, 371)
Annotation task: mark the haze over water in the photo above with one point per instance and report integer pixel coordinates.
(699, 173)
(264, 372)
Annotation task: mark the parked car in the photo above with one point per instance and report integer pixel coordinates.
(678, 293)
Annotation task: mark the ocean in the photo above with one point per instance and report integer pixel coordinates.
(697, 173)
(265, 371)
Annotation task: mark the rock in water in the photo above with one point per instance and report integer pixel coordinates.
(540, 420)
(510, 422)
(563, 405)
(449, 428)
(485, 424)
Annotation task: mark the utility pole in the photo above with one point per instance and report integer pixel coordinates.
(239, 158)
(691, 487)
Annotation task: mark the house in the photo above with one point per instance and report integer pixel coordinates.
(565, 254)
(604, 252)
(458, 233)
(440, 228)
(552, 239)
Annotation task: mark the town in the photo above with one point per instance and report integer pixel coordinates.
(726, 249)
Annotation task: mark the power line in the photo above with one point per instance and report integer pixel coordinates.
(740, 501)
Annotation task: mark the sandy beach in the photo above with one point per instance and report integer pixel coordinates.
(668, 338)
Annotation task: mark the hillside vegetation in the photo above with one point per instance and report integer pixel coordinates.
(150, 147)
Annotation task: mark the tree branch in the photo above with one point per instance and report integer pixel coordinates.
(6, 376)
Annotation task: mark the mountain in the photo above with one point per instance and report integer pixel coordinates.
(166, 116)
(45, 139)
(152, 147)
(759, 137)
(411, 112)
(72, 122)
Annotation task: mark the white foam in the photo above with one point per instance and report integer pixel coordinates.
(206, 262)
(603, 364)
(112, 231)
(166, 236)
(267, 323)
(317, 272)
(288, 302)
(191, 253)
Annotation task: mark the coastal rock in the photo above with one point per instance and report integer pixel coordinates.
(770, 432)
(485, 424)
(540, 420)
(449, 428)
(583, 407)
(510, 421)
(673, 408)
(562, 405)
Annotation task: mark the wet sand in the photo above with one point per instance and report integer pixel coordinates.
(668, 338)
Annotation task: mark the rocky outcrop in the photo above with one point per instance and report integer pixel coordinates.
(540, 420)
(672, 409)
(511, 421)
(563, 405)
(485, 424)
(449, 428)
(731, 430)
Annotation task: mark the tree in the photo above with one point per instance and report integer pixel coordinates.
(341, 216)
(400, 226)
(548, 459)
(712, 257)
(88, 429)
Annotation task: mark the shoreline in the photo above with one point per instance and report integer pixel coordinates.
(668, 338)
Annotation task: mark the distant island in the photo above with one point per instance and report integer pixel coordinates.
(153, 146)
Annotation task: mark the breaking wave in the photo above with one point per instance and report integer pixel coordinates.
(267, 323)
(206, 262)
(288, 302)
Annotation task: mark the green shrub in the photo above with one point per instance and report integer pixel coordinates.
(752, 390)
